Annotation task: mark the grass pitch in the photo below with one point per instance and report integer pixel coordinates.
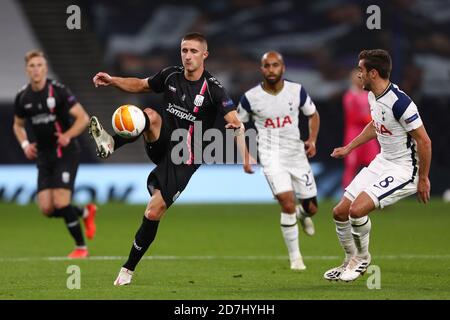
(224, 252)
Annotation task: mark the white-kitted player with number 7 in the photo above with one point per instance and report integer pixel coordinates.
(399, 170)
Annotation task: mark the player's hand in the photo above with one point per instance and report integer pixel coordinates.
(248, 165)
(423, 189)
(310, 148)
(63, 139)
(340, 152)
(102, 79)
(30, 151)
(231, 125)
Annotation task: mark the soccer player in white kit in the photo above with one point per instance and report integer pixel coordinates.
(399, 170)
(274, 106)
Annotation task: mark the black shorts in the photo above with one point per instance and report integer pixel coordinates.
(171, 179)
(54, 172)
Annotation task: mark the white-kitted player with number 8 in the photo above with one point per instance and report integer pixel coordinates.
(399, 170)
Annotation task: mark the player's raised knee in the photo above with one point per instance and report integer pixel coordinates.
(340, 214)
(153, 116)
(156, 211)
(356, 211)
(47, 210)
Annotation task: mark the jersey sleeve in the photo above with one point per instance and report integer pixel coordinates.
(66, 95)
(306, 104)
(19, 109)
(243, 109)
(221, 99)
(410, 118)
(157, 81)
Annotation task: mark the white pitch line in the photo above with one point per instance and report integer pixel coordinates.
(115, 258)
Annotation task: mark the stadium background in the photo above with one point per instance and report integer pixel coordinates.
(320, 41)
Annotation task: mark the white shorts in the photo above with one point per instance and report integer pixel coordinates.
(384, 181)
(299, 179)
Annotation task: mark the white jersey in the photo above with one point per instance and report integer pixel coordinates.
(276, 119)
(394, 114)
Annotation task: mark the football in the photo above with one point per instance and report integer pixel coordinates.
(128, 121)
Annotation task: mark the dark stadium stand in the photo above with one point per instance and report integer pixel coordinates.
(320, 41)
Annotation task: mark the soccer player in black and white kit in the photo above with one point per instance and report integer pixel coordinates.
(56, 119)
(192, 95)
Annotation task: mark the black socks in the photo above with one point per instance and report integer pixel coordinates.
(71, 217)
(79, 211)
(58, 214)
(143, 238)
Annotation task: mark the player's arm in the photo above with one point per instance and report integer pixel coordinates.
(29, 149)
(367, 134)
(233, 122)
(79, 125)
(309, 109)
(132, 85)
(313, 124)
(424, 152)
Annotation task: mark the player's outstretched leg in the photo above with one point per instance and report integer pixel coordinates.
(73, 225)
(344, 234)
(289, 229)
(361, 226)
(143, 238)
(358, 264)
(103, 140)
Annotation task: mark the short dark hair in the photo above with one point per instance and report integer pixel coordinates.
(33, 54)
(195, 36)
(377, 59)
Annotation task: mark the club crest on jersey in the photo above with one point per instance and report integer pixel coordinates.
(198, 100)
(51, 102)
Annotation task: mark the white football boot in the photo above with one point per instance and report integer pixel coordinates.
(124, 277)
(306, 222)
(356, 267)
(335, 273)
(297, 264)
(103, 140)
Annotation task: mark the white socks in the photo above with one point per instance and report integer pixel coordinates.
(289, 229)
(361, 232)
(344, 233)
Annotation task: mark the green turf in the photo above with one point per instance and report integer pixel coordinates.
(224, 252)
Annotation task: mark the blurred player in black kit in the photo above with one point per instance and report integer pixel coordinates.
(192, 95)
(56, 120)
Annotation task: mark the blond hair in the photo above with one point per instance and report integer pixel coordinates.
(33, 54)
